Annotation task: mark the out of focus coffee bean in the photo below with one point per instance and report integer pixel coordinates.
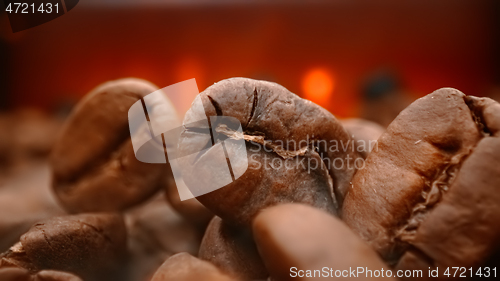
(190, 209)
(184, 267)
(293, 237)
(93, 162)
(89, 245)
(233, 250)
(15, 274)
(26, 135)
(364, 133)
(52, 275)
(155, 232)
(20, 274)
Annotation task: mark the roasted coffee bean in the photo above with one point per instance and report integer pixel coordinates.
(155, 232)
(463, 228)
(89, 245)
(190, 209)
(293, 237)
(52, 275)
(364, 133)
(93, 162)
(233, 250)
(427, 195)
(20, 274)
(486, 113)
(184, 267)
(290, 146)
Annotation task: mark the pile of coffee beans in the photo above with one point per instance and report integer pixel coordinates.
(318, 197)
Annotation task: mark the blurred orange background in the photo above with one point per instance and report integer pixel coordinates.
(323, 51)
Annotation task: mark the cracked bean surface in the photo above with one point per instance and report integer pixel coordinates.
(427, 196)
(277, 127)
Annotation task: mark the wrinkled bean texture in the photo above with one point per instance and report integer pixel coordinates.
(427, 196)
(277, 126)
(89, 245)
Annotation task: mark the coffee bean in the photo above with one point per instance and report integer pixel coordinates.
(93, 162)
(155, 232)
(288, 145)
(52, 275)
(293, 237)
(184, 267)
(233, 250)
(364, 133)
(15, 274)
(427, 195)
(89, 245)
(20, 274)
(191, 209)
(463, 230)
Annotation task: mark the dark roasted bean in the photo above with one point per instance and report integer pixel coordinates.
(89, 245)
(277, 127)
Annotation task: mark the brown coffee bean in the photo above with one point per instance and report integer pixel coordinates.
(155, 232)
(15, 274)
(293, 237)
(233, 250)
(191, 209)
(20, 274)
(364, 133)
(89, 245)
(52, 275)
(463, 230)
(486, 113)
(289, 145)
(427, 195)
(93, 162)
(184, 267)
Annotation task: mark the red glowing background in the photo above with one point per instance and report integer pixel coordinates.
(319, 51)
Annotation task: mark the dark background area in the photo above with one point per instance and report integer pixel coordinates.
(324, 51)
